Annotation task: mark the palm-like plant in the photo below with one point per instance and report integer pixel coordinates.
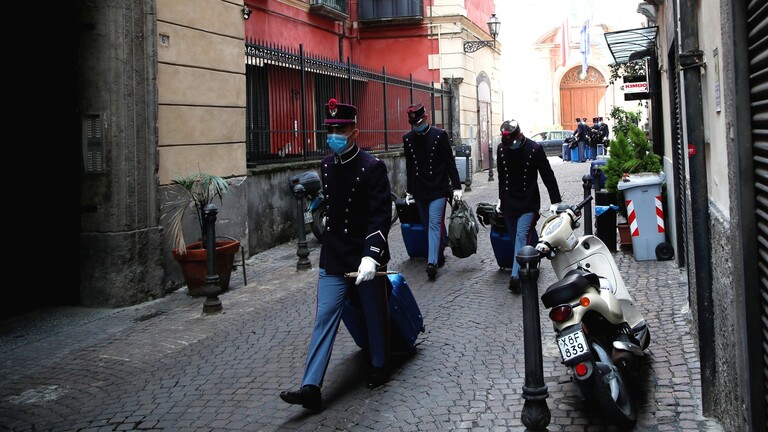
(195, 190)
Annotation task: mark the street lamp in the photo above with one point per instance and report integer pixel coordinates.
(493, 27)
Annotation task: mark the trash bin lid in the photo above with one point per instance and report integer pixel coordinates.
(641, 179)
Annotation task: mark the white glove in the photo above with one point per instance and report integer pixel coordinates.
(553, 208)
(409, 198)
(498, 206)
(367, 270)
(457, 193)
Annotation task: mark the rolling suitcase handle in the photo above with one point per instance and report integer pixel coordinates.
(378, 273)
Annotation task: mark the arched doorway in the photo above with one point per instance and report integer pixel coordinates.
(484, 119)
(580, 97)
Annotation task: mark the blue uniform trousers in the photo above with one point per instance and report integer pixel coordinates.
(331, 295)
(523, 228)
(434, 213)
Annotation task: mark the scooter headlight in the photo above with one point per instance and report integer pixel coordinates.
(552, 227)
(561, 313)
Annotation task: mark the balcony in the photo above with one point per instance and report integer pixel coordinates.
(382, 12)
(332, 9)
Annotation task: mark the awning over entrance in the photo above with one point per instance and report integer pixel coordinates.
(631, 45)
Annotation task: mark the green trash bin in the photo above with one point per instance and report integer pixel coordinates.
(645, 214)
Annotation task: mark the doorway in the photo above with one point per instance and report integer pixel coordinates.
(581, 97)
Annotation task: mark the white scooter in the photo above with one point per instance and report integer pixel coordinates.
(598, 329)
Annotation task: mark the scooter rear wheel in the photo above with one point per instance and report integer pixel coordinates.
(607, 388)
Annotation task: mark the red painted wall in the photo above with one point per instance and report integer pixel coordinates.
(478, 11)
(402, 50)
(402, 55)
(289, 27)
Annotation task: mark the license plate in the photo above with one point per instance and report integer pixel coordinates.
(572, 345)
(307, 217)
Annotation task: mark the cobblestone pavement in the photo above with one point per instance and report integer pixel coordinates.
(163, 365)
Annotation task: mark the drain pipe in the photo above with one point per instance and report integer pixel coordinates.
(691, 60)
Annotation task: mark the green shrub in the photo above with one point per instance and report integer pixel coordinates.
(630, 155)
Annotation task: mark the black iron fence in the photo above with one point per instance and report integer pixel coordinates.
(287, 93)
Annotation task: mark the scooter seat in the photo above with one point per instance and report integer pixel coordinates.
(569, 287)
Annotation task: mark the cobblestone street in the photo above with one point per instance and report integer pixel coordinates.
(162, 365)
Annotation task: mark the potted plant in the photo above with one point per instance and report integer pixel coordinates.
(631, 154)
(191, 194)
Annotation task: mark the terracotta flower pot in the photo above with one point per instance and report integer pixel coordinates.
(194, 264)
(625, 236)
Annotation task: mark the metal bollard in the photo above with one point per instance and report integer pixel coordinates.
(212, 287)
(302, 251)
(536, 414)
(587, 220)
(490, 162)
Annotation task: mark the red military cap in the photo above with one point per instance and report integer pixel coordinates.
(416, 113)
(337, 114)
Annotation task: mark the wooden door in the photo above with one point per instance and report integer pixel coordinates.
(485, 133)
(580, 98)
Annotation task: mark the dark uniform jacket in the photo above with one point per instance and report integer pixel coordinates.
(430, 165)
(357, 190)
(519, 171)
(604, 132)
(582, 132)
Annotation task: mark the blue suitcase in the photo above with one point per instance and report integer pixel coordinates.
(415, 239)
(589, 152)
(414, 234)
(404, 314)
(503, 248)
(575, 155)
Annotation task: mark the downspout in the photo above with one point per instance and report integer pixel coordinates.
(691, 59)
(342, 35)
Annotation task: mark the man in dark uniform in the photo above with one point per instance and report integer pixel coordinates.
(581, 134)
(594, 138)
(357, 189)
(520, 161)
(604, 131)
(583, 139)
(431, 175)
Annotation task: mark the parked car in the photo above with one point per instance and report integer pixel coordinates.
(552, 141)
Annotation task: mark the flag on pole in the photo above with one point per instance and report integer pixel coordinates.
(584, 45)
(565, 42)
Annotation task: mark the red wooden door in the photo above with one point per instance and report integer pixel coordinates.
(580, 98)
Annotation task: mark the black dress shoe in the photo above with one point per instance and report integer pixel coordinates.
(514, 285)
(431, 271)
(308, 396)
(377, 377)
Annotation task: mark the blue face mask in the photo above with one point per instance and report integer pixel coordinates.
(337, 142)
(421, 127)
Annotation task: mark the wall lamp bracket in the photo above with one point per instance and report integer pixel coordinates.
(472, 46)
(246, 12)
(493, 28)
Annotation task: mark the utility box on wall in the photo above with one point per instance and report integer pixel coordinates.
(463, 156)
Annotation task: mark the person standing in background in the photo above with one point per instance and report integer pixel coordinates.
(431, 177)
(605, 131)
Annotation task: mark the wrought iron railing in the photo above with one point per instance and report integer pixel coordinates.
(287, 92)
(339, 5)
